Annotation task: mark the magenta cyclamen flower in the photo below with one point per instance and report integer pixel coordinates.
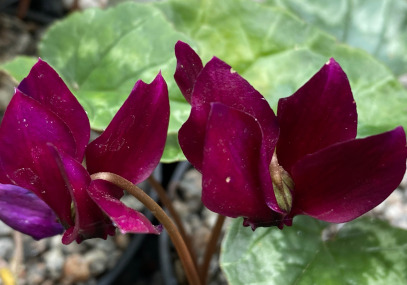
(304, 161)
(45, 189)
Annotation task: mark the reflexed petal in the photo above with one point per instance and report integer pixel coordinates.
(25, 212)
(319, 114)
(217, 82)
(25, 130)
(133, 143)
(344, 181)
(125, 218)
(231, 172)
(90, 221)
(44, 85)
(189, 65)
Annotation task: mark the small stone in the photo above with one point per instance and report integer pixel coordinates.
(200, 239)
(97, 260)
(74, 247)
(76, 268)
(113, 259)
(6, 248)
(56, 241)
(85, 4)
(191, 185)
(107, 245)
(54, 260)
(34, 247)
(132, 202)
(403, 183)
(122, 241)
(36, 273)
(5, 229)
(209, 217)
(181, 208)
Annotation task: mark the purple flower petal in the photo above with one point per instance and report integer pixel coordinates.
(90, 221)
(25, 212)
(125, 218)
(319, 114)
(189, 65)
(231, 170)
(44, 85)
(344, 181)
(25, 130)
(217, 82)
(133, 143)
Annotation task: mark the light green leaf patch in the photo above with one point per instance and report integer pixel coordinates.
(19, 67)
(277, 53)
(101, 55)
(365, 251)
(379, 27)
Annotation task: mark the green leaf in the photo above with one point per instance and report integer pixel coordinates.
(19, 67)
(365, 251)
(379, 27)
(277, 53)
(101, 55)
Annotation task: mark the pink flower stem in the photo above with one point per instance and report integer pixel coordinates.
(176, 238)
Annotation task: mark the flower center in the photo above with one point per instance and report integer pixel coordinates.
(283, 184)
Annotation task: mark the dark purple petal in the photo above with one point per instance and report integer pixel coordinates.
(125, 218)
(231, 170)
(25, 212)
(133, 143)
(319, 114)
(217, 82)
(344, 181)
(189, 65)
(44, 85)
(24, 132)
(90, 221)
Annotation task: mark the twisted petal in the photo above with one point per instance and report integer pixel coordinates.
(344, 181)
(45, 86)
(90, 221)
(319, 114)
(125, 218)
(133, 143)
(217, 82)
(26, 128)
(231, 170)
(189, 65)
(25, 212)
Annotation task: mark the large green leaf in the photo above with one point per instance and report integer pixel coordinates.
(101, 54)
(362, 252)
(19, 67)
(377, 26)
(277, 53)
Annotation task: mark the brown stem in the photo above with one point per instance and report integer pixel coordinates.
(23, 6)
(176, 238)
(162, 194)
(211, 248)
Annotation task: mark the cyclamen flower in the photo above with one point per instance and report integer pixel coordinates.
(304, 161)
(44, 137)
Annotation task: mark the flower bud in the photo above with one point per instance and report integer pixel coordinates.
(283, 185)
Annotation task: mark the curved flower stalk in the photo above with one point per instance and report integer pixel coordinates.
(304, 161)
(45, 189)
